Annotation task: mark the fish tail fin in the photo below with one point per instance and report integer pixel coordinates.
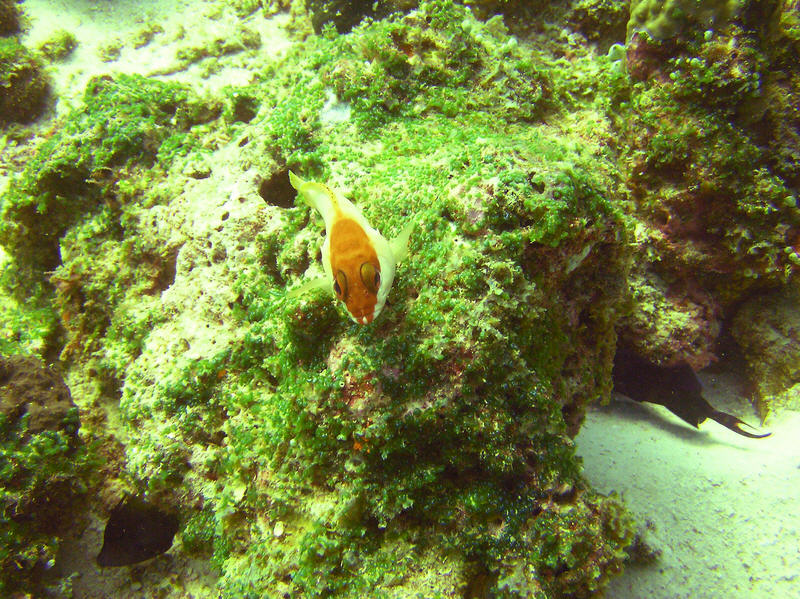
(317, 195)
(735, 424)
(399, 244)
(296, 180)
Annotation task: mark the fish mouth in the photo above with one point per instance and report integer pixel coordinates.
(364, 317)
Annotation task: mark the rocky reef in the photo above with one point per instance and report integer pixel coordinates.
(565, 190)
(44, 469)
(711, 177)
(766, 330)
(23, 84)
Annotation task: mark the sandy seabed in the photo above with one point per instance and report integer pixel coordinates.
(723, 510)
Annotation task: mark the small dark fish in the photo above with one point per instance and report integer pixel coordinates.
(136, 531)
(677, 388)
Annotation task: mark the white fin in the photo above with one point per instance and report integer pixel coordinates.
(319, 196)
(315, 283)
(399, 244)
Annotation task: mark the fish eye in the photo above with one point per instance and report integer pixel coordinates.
(371, 277)
(340, 285)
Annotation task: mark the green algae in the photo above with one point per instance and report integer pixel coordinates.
(430, 451)
(124, 121)
(68, 196)
(714, 188)
(23, 83)
(665, 18)
(400, 68)
(45, 470)
(25, 328)
(34, 472)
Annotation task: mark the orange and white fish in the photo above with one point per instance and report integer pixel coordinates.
(359, 262)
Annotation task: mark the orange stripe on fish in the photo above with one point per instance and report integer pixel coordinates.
(359, 262)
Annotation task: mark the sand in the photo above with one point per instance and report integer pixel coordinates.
(722, 509)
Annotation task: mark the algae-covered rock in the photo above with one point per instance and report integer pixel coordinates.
(9, 17)
(125, 121)
(431, 451)
(668, 326)
(38, 394)
(600, 20)
(767, 329)
(666, 18)
(713, 185)
(71, 247)
(26, 326)
(23, 85)
(43, 472)
(402, 67)
(59, 45)
(344, 15)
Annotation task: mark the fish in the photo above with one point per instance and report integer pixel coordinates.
(359, 263)
(136, 531)
(677, 388)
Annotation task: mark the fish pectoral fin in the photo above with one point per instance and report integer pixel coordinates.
(733, 423)
(399, 244)
(310, 285)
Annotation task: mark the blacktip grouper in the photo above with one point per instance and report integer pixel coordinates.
(677, 388)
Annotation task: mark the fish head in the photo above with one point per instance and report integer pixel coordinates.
(357, 286)
(356, 271)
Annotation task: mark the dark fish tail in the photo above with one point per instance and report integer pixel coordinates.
(734, 424)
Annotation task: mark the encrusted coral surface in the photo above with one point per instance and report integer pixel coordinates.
(713, 185)
(767, 328)
(23, 83)
(43, 471)
(439, 436)
(430, 453)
